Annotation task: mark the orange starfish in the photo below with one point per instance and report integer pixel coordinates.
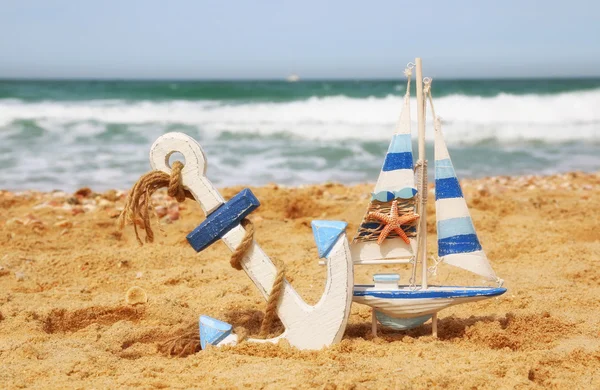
(393, 222)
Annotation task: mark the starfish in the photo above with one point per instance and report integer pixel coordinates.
(393, 222)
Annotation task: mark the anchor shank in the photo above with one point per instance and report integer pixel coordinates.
(261, 270)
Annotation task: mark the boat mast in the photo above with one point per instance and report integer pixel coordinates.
(422, 244)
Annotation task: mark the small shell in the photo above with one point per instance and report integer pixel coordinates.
(83, 192)
(104, 204)
(77, 210)
(64, 224)
(136, 295)
(161, 211)
(173, 215)
(14, 221)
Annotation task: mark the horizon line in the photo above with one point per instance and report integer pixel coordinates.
(283, 79)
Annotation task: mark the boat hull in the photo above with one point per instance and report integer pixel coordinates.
(406, 302)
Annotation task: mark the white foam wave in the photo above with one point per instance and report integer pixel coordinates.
(558, 117)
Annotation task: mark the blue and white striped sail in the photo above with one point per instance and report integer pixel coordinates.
(397, 176)
(458, 243)
(396, 180)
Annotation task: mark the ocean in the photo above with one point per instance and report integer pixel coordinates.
(67, 134)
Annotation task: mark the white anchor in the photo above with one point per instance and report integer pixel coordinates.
(306, 327)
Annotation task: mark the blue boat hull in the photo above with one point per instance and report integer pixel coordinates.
(406, 302)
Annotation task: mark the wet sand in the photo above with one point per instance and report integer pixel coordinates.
(65, 271)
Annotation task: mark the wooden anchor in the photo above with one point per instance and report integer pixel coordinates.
(306, 327)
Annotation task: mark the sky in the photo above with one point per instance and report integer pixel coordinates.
(196, 39)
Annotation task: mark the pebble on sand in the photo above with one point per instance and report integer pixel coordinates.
(136, 295)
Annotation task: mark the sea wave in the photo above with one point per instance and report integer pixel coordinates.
(469, 119)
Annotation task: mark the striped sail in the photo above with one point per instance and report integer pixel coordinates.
(396, 181)
(397, 176)
(458, 244)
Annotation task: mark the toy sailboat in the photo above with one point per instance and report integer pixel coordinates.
(394, 229)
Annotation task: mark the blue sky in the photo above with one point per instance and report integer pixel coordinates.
(271, 39)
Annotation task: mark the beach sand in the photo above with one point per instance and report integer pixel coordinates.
(65, 271)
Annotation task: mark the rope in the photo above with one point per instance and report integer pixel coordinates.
(136, 212)
(245, 245)
(278, 285)
(273, 301)
(138, 202)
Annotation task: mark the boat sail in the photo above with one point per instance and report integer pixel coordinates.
(406, 306)
(396, 182)
(458, 244)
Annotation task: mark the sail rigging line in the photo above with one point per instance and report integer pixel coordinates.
(433, 269)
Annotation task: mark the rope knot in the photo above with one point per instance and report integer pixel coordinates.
(176, 189)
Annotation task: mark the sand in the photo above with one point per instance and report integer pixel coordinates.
(67, 320)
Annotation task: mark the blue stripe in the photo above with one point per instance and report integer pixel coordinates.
(368, 226)
(447, 188)
(444, 169)
(401, 143)
(377, 225)
(431, 293)
(455, 227)
(395, 161)
(386, 277)
(465, 243)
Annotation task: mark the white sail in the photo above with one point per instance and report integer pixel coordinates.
(397, 172)
(458, 244)
(396, 181)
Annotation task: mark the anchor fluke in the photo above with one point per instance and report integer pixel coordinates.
(326, 234)
(212, 331)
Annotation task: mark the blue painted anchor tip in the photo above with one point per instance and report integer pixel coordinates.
(212, 331)
(326, 234)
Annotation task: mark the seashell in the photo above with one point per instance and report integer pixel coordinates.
(14, 221)
(173, 215)
(64, 224)
(111, 195)
(73, 201)
(136, 295)
(89, 207)
(77, 210)
(83, 192)
(104, 204)
(483, 190)
(161, 211)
